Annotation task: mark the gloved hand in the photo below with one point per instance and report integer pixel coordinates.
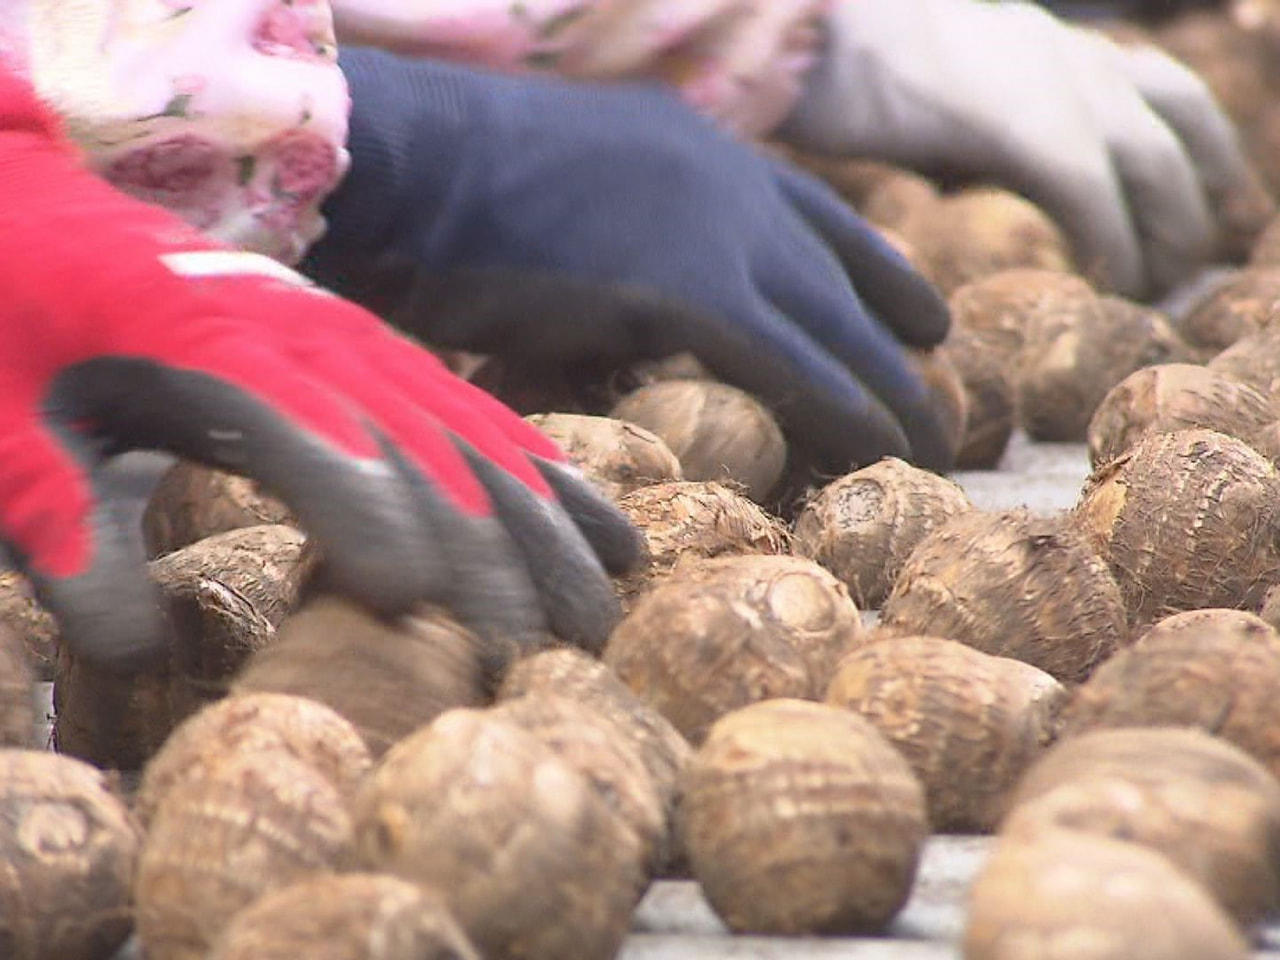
(123, 328)
(562, 223)
(1124, 147)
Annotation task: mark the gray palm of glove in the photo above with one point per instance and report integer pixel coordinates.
(1123, 146)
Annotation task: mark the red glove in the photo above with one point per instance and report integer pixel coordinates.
(123, 328)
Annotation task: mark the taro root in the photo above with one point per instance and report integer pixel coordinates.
(1000, 308)
(1064, 894)
(386, 679)
(949, 401)
(979, 231)
(69, 847)
(223, 838)
(1253, 359)
(1213, 669)
(617, 457)
(1062, 374)
(1185, 520)
(192, 502)
(588, 742)
(356, 916)
(1206, 805)
(225, 597)
(901, 201)
(1241, 306)
(716, 431)
(1012, 584)
(255, 723)
(990, 398)
(17, 713)
(515, 840)
(1172, 397)
(863, 526)
(34, 626)
(800, 818)
(1270, 609)
(967, 722)
(689, 520)
(726, 633)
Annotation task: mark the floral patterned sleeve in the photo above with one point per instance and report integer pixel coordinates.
(742, 61)
(231, 113)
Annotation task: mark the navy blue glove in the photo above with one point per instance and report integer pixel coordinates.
(564, 224)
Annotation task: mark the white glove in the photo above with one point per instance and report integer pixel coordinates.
(1124, 147)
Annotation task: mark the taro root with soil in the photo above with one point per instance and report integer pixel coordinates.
(1061, 893)
(617, 457)
(800, 818)
(864, 525)
(967, 722)
(1218, 670)
(30, 622)
(1185, 520)
(989, 399)
(1242, 306)
(192, 502)
(219, 840)
(69, 847)
(355, 916)
(1254, 359)
(224, 597)
(1172, 397)
(1203, 803)
(690, 520)
(716, 431)
(255, 723)
(1012, 584)
(588, 742)
(17, 709)
(514, 839)
(725, 633)
(1063, 375)
(387, 679)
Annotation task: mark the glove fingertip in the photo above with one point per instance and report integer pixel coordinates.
(617, 543)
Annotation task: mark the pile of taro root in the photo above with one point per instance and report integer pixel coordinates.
(1095, 687)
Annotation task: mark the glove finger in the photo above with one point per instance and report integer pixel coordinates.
(577, 597)
(803, 280)
(617, 544)
(289, 432)
(894, 290)
(86, 567)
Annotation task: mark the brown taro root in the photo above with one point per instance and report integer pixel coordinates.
(690, 520)
(1185, 520)
(17, 707)
(1172, 397)
(224, 596)
(587, 741)
(1206, 805)
(220, 840)
(1063, 372)
(1000, 308)
(1012, 584)
(863, 526)
(617, 457)
(1253, 359)
(1269, 611)
(192, 502)
(254, 723)
(386, 679)
(30, 622)
(800, 818)
(1213, 669)
(69, 848)
(514, 839)
(1063, 894)
(979, 231)
(990, 398)
(716, 431)
(726, 633)
(967, 722)
(1241, 306)
(355, 916)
